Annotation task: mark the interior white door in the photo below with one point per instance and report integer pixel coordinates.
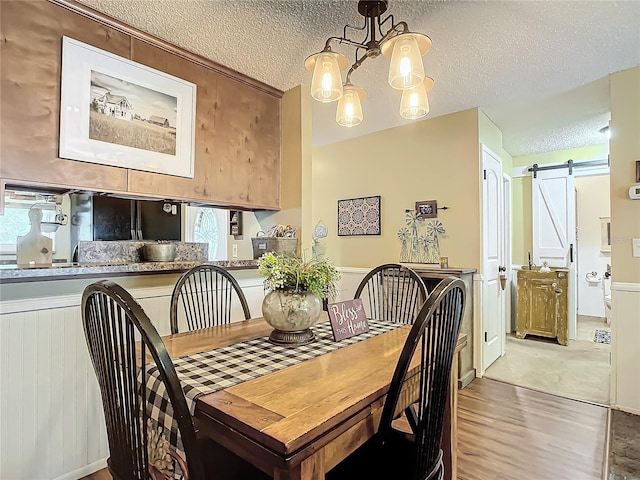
(554, 228)
(493, 307)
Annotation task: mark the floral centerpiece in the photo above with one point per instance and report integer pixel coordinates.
(286, 272)
(294, 303)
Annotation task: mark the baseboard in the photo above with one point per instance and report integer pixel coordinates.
(593, 318)
(633, 411)
(84, 471)
(466, 379)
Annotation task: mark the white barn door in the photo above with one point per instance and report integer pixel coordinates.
(554, 228)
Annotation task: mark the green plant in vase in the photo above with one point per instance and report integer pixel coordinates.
(296, 287)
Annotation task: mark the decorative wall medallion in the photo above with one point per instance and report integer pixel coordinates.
(359, 216)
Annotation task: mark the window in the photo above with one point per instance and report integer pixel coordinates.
(15, 223)
(208, 225)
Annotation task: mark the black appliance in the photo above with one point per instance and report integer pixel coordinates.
(117, 218)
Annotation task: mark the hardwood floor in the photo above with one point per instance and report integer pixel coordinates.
(512, 433)
(507, 433)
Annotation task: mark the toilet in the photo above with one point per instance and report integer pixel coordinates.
(606, 294)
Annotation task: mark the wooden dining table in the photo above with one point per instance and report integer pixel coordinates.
(301, 421)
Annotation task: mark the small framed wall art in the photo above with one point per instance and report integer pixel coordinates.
(427, 209)
(359, 216)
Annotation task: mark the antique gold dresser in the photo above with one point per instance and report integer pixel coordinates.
(542, 304)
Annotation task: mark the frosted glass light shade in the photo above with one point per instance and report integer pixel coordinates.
(349, 113)
(406, 69)
(415, 103)
(326, 83)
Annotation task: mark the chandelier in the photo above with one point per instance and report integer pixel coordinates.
(405, 49)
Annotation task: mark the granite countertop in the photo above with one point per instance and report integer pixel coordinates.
(63, 271)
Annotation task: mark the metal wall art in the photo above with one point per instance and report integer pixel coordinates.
(359, 216)
(420, 239)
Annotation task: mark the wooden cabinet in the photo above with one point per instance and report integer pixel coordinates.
(237, 139)
(237, 131)
(431, 278)
(30, 95)
(542, 304)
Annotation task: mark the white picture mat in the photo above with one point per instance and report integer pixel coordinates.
(78, 60)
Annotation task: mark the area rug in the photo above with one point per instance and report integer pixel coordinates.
(602, 336)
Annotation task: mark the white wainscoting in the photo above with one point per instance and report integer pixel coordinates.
(50, 412)
(349, 281)
(51, 420)
(625, 347)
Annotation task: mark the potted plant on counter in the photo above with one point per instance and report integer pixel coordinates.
(296, 288)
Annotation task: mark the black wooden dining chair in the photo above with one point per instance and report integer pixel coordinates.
(392, 293)
(417, 456)
(206, 295)
(121, 339)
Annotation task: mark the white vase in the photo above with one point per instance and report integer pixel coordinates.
(291, 314)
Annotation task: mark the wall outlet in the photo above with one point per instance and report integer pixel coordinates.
(636, 246)
(234, 250)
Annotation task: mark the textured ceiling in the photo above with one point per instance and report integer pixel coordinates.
(537, 68)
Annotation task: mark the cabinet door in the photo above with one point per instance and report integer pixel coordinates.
(543, 307)
(237, 144)
(30, 105)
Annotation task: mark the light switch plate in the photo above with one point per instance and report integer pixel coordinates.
(636, 247)
(234, 253)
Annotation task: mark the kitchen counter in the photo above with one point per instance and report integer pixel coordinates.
(68, 271)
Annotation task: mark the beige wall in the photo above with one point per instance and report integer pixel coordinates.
(491, 136)
(432, 159)
(295, 167)
(625, 225)
(522, 233)
(593, 152)
(625, 150)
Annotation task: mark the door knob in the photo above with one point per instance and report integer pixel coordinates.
(502, 269)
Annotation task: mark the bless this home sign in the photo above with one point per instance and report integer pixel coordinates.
(347, 319)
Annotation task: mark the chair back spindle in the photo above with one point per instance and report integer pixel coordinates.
(120, 339)
(434, 334)
(392, 293)
(205, 295)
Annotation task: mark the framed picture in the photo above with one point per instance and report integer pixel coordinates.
(427, 209)
(359, 216)
(117, 112)
(637, 171)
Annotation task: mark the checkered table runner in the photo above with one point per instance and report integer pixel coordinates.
(223, 367)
